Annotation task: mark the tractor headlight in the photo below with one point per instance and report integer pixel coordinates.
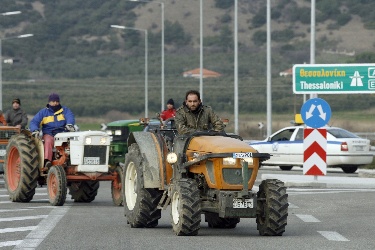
(118, 132)
(103, 140)
(229, 161)
(109, 132)
(172, 158)
(249, 160)
(88, 140)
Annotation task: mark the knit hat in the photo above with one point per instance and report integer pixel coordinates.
(53, 97)
(17, 100)
(170, 101)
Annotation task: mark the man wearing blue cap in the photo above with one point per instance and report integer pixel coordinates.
(54, 119)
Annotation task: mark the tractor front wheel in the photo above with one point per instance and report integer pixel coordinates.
(185, 208)
(21, 168)
(272, 208)
(117, 196)
(140, 204)
(56, 185)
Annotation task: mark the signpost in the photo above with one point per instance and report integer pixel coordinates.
(333, 78)
(315, 113)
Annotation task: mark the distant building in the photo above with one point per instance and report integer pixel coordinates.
(288, 72)
(196, 73)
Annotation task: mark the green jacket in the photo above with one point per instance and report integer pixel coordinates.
(205, 119)
(15, 117)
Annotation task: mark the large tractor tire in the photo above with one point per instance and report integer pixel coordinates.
(117, 196)
(185, 208)
(272, 208)
(21, 168)
(140, 204)
(84, 191)
(56, 185)
(214, 221)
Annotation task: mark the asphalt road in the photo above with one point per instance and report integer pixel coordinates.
(319, 218)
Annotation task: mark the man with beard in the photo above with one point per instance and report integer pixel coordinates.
(193, 116)
(54, 119)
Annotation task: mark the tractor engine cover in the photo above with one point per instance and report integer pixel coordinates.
(89, 150)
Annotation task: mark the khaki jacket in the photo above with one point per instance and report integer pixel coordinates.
(188, 122)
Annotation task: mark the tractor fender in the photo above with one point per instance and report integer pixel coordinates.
(151, 151)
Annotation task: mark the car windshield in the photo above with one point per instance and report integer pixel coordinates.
(283, 135)
(341, 133)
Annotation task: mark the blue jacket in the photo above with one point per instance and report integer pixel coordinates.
(52, 123)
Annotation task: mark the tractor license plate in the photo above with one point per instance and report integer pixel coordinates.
(239, 203)
(91, 160)
(242, 155)
(3, 152)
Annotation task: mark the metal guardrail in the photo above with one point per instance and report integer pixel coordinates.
(366, 135)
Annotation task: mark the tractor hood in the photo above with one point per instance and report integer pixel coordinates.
(219, 144)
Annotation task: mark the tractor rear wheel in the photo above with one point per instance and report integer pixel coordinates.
(84, 191)
(56, 185)
(140, 204)
(185, 208)
(21, 168)
(272, 208)
(214, 221)
(117, 196)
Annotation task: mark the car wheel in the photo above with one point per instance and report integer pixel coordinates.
(286, 167)
(349, 169)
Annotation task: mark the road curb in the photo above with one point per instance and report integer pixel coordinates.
(322, 181)
(366, 173)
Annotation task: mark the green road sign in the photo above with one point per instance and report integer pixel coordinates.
(333, 78)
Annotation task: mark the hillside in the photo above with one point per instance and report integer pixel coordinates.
(75, 52)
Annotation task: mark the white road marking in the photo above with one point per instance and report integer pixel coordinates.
(10, 243)
(334, 236)
(25, 209)
(14, 210)
(24, 218)
(292, 205)
(35, 237)
(39, 194)
(307, 218)
(16, 229)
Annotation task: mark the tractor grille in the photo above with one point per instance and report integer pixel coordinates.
(234, 175)
(6, 134)
(96, 152)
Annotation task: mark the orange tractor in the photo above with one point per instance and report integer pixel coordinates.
(206, 173)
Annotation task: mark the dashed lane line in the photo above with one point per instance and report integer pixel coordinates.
(333, 236)
(10, 243)
(16, 229)
(25, 209)
(24, 218)
(307, 218)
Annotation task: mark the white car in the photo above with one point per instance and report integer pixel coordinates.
(344, 149)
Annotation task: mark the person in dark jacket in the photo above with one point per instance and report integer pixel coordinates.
(54, 119)
(16, 116)
(194, 116)
(169, 112)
